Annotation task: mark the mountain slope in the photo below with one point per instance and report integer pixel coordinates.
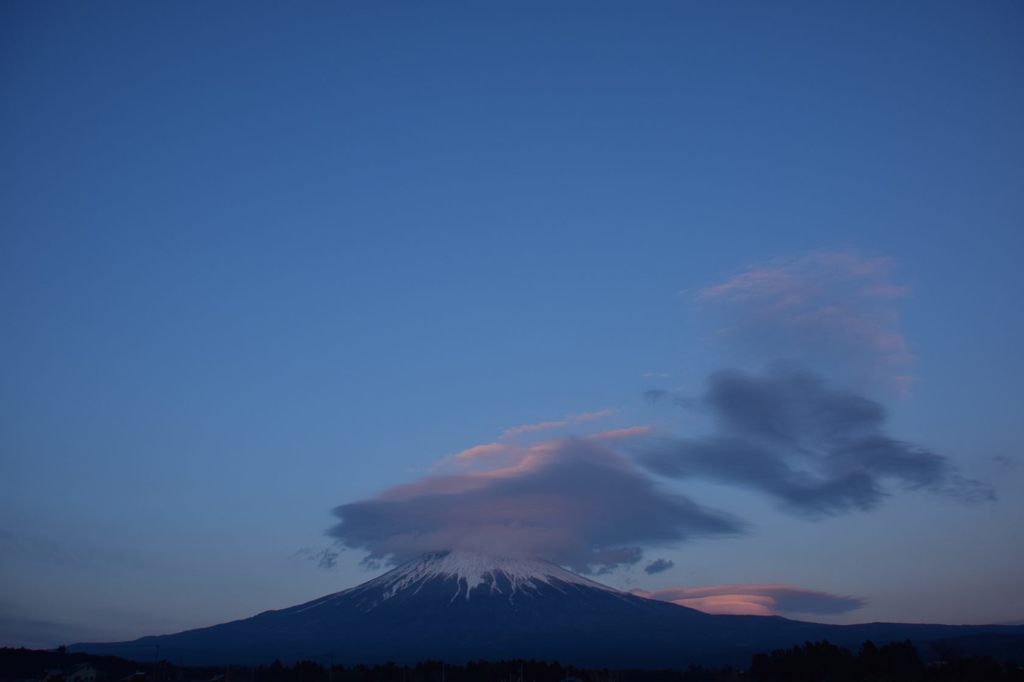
(457, 607)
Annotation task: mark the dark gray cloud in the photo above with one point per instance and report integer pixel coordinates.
(323, 557)
(762, 600)
(818, 450)
(658, 566)
(573, 501)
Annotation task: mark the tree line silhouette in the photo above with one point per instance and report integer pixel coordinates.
(810, 662)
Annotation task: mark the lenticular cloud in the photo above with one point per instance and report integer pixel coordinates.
(572, 501)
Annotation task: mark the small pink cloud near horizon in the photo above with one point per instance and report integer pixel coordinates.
(769, 599)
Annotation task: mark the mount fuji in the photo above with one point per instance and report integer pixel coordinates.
(458, 606)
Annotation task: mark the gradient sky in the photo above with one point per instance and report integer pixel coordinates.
(259, 261)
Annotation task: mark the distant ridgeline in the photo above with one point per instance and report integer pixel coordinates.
(461, 607)
(810, 662)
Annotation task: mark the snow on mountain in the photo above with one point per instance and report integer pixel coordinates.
(465, 574)
(477, 572)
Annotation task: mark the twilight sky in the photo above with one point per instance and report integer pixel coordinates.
(719, 302)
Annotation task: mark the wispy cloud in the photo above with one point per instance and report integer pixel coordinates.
(483, 451)
(758, 600)
(818, 450)
(573, 501)
(539, 427)
(835, 310)
(626, 433)
(510, 445)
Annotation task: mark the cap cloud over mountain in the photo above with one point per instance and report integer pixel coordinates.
(574, 501)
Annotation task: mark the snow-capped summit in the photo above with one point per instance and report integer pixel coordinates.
(449, 577)
(473, 572)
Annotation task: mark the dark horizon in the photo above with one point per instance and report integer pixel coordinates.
(895, 661)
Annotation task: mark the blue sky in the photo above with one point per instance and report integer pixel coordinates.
(259, 261)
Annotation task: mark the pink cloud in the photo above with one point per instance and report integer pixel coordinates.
(755, 599)
(753, 283)
(501, 455)
(483, 451)
(621, 434)
(572, 420)
(538, 427)
(836, 308)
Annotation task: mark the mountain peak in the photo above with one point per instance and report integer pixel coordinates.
(473, 572)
